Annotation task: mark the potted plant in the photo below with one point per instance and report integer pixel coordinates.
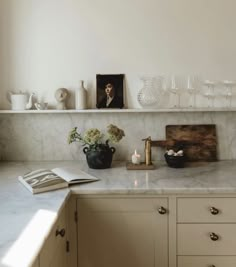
(97, 149)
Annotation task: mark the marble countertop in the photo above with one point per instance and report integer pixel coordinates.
(25, 219)
(200, 178)
(23, 214)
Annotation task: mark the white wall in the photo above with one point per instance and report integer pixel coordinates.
(49, 44)
(3, 57)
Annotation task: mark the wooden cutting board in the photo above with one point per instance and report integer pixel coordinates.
(199, 142)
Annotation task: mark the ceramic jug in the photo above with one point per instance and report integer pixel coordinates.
(20, 101)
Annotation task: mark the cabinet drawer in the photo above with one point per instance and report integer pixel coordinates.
(206, 261)
(53, 241)
(206, 210)
(121, 205)
(195, 239)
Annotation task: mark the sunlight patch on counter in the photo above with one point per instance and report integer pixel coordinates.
(26, 248)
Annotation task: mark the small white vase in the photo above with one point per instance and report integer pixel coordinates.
(81, 97)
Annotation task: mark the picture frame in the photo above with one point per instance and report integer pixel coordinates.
(110, 90)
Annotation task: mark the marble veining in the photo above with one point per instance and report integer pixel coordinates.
(18, 207)
(43, 137)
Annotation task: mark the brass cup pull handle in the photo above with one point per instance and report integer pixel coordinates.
(214, 210)
(212, 265)
(61, 232)
(214, 237)
(162, 210)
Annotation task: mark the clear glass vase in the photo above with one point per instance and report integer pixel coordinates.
(148, 94)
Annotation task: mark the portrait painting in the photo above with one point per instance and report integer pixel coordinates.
(110, 90)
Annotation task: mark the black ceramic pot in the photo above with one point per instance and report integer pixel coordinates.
(101, 158)
(175, 161)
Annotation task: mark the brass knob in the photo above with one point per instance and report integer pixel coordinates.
(61, 232)
(214, 237)
(214, 210)
(162, 210)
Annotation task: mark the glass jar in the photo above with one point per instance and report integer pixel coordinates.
(148, 94)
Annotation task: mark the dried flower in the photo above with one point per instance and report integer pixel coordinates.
(94, 138)
(74, 136)
(114, 133)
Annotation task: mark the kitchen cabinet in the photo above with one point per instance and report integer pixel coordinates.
(206, 230)
(54, 251)
(116, 223)
(127, 232)
(36, 263)
(170, 230)
(206, 261)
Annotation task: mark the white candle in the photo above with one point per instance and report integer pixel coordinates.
(136, 158)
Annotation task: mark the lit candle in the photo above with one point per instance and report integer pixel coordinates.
(135, 158)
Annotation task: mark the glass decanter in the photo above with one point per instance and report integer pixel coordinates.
(148, 94)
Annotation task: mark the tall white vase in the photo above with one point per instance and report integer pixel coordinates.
(81, 97)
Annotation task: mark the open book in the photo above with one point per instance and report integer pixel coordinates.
(46, 180)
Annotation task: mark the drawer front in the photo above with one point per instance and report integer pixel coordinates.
(196, 239)
(121, 205)
(206, 210)
(206, 261)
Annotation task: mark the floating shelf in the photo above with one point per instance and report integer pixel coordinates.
(139, 110)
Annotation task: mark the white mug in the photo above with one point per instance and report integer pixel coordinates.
(18, 101)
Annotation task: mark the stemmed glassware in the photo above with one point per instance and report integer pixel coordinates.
(209, 93)
(228, 92)
(191, 89)
(173, 88)
(190, 86)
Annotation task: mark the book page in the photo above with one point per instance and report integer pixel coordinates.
(42, 178)
(73, 175)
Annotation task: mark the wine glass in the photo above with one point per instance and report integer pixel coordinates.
(228, 92)
(191, 80)
(210, 85)
(173, 88)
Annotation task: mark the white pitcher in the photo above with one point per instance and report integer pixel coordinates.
(19, 101)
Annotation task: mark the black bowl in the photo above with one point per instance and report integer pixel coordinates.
(175, 161)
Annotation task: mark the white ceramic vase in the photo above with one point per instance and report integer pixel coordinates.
(81, 97)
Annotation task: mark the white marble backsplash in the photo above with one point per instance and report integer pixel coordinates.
(43, 137)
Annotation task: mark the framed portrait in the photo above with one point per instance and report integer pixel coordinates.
(110, 90)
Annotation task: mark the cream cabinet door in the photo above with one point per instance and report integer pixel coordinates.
(53, 253)
(122, 232)
(36, 263)
(59, 258)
